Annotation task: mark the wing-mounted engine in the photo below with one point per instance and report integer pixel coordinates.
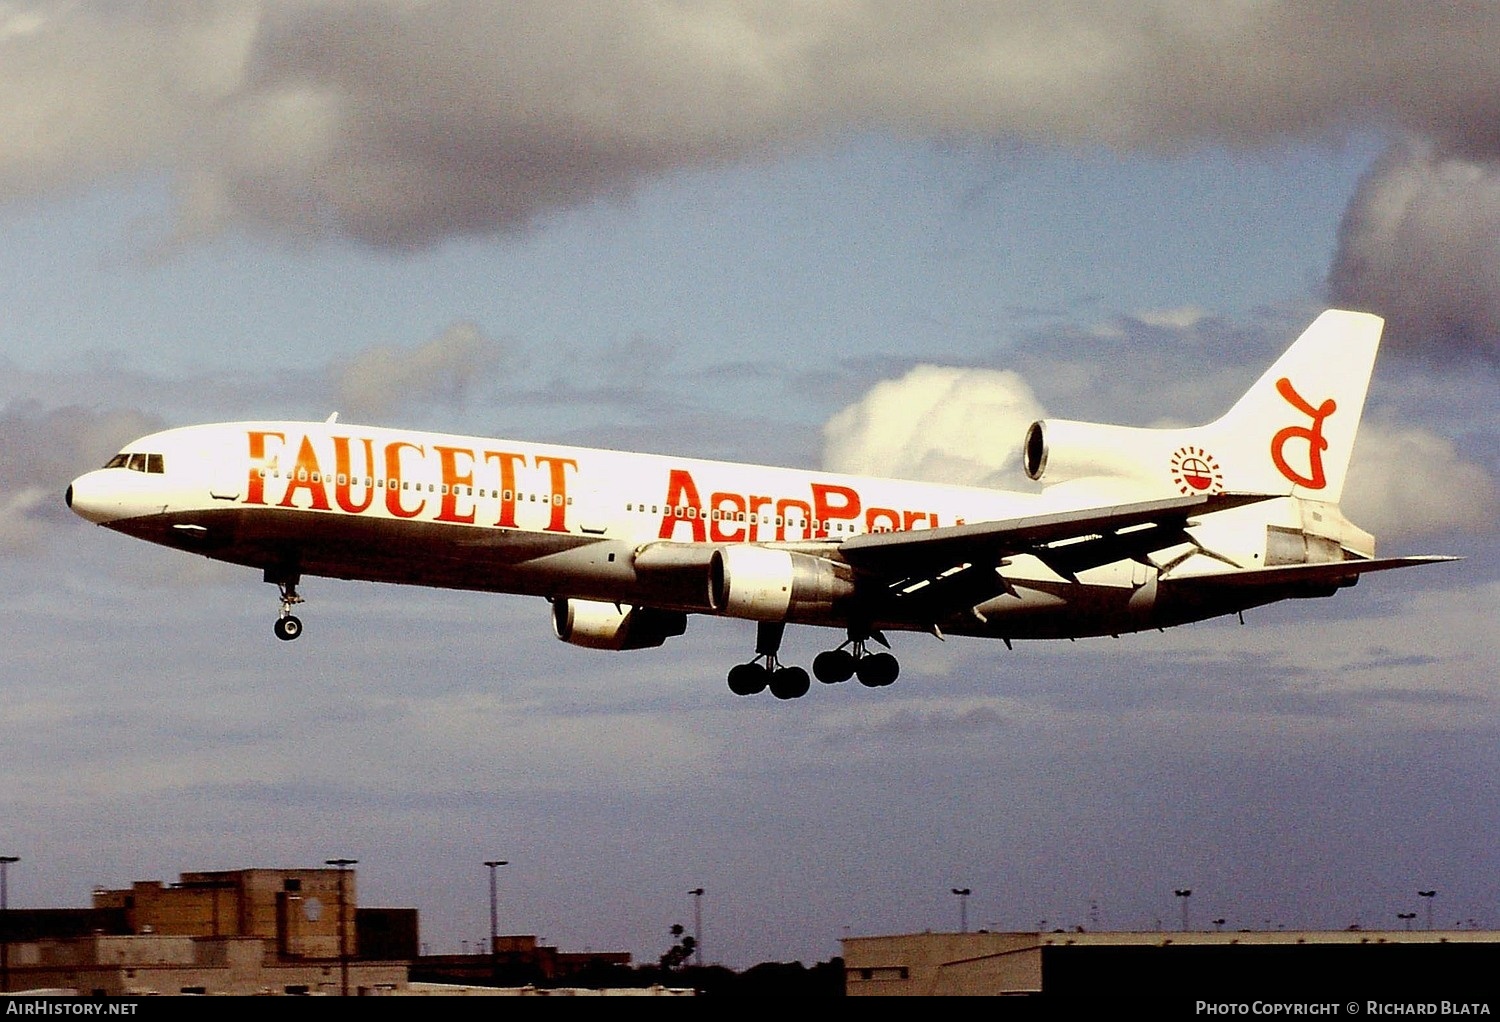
(763, 584)
(599, 625)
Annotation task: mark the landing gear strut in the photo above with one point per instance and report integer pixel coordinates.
(766, 671)
(288, 625)
(875, 670)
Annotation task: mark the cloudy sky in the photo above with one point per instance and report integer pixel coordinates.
(880, 237)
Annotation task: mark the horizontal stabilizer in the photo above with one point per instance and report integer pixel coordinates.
(1292, 575)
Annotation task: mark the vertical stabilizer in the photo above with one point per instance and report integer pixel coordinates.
(1293, 431)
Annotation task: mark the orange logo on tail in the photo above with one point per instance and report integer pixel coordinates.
(1316, 445)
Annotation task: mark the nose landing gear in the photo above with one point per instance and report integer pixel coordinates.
(288, 626)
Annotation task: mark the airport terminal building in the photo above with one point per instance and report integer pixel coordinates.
(1348, 964)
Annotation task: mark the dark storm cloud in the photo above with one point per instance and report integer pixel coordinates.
(403, 124)
(1420, 245)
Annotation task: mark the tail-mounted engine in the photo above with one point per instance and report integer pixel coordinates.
(1061, 450)
(614, 625)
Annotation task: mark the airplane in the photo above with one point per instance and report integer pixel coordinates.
(1131, 529)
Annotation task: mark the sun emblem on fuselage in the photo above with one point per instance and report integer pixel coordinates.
(1194, 470)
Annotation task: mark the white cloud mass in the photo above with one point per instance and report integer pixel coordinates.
(936, 423)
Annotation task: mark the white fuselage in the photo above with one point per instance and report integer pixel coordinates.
(330, 499)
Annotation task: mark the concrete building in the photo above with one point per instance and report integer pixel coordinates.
(114, 966)
(246, 931)
(297, 908)
(519, 959)
(1456, 963)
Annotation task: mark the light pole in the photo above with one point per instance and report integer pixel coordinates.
(493, 865)
(342, 865)
(963, 908)
(1184, 893)
(697, 893)
(1429, 895)
(5, 861)
(1406, 918)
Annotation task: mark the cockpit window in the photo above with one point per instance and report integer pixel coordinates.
(152, 463)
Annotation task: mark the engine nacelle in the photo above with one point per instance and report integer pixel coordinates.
(614, 626)
(774, 585)
(1059, 450)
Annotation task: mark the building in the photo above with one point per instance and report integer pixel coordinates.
(140, 964)
(520, 959)
(239, 931)
(1451, 963)
(299, 909)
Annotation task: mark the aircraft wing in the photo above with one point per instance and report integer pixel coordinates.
(1073, 539)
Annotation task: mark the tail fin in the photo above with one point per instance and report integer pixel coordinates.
(1293, 431)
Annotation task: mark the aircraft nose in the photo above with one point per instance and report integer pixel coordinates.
(88, 498)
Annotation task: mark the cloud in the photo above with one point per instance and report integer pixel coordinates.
(936, 423)
(444, 370)
(1406, 482)
(964, 426)
(41, 450)
(402, 125)
(1418, 245)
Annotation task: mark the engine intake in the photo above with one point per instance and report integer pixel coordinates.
(1060, 450)
(774, 585)
(598, 625)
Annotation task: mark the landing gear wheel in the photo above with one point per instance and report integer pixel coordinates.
(748, 679)
(834, 666)
(790, 683)
(288, 626)
(877, 670)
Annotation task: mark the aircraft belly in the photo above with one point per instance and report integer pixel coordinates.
(436, 554)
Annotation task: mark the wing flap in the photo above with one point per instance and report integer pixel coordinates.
(931, 551)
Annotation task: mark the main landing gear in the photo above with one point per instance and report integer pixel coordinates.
(874, 670)
(288, 625)
(766, 671)
(851, 659)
